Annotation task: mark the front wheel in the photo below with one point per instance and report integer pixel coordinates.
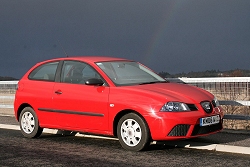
(29, 124)
(133, 132)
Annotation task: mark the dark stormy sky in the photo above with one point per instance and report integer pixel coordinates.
(166, 35)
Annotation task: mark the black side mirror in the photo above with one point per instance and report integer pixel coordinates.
(94, 81)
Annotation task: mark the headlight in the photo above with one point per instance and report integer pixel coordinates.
(215, 102)
(175, 107)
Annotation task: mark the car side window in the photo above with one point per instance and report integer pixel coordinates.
(77, 72)
(45, 72)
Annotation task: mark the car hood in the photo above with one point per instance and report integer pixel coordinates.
(175, 92)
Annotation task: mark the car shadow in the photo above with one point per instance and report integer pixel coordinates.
(221, 138)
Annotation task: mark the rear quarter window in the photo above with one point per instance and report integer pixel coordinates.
(45, 72)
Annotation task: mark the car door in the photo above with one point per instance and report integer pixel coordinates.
(80, 106)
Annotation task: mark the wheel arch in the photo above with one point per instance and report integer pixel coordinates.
(21, 107)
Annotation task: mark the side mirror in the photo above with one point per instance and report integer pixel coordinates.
(94, 81)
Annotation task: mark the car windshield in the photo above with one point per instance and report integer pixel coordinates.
(129, 73)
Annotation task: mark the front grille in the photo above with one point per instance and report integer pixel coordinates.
(207, 106)
(199, 130)
(179, 130)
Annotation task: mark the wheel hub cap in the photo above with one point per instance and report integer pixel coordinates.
(131, 132)
(28, 122)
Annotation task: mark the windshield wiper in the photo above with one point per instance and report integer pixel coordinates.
(153, 82)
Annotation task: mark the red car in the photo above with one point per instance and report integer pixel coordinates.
(112, 96)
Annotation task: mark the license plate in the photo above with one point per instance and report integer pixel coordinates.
(209, 120)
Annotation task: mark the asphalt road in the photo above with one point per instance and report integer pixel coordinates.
(57, 150)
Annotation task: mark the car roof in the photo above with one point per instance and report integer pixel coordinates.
(89, 59)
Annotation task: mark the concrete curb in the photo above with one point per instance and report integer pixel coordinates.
(181, 144)
(239, 131)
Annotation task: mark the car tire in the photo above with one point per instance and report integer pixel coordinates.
(133, 132)
(29, 123)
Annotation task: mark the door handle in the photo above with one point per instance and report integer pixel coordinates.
(58, 92)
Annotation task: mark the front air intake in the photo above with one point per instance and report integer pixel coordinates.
(179, 130)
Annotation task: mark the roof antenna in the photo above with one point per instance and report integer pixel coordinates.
(62, 48)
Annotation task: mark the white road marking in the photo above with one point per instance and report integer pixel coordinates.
(54, 131)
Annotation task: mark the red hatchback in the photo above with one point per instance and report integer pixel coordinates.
(112, 96)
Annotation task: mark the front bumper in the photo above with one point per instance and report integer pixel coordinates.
(182, 125)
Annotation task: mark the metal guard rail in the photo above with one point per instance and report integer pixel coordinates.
(183, 80)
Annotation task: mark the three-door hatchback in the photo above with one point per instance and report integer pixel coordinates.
(113, 97)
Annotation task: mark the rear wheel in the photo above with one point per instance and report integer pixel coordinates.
(29, 123)
(133, 132)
